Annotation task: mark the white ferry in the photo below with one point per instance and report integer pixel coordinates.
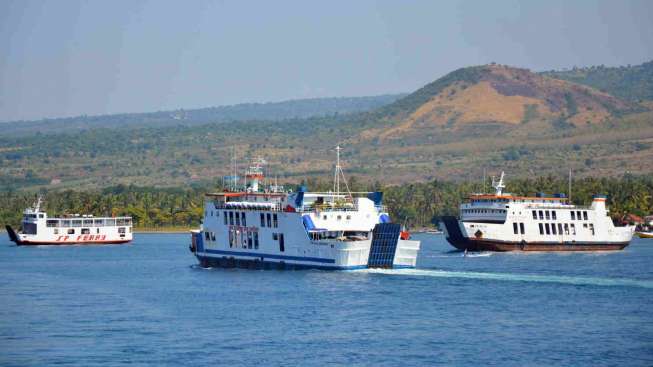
(38, 229)
(273, 229)
(505, 222)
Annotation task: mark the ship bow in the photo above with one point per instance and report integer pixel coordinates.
(13, 237)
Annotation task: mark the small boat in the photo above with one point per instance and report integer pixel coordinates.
(39, 229)
(647, 234)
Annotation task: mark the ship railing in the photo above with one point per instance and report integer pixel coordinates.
(328, 208)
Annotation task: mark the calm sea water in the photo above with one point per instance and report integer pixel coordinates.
(147, 303)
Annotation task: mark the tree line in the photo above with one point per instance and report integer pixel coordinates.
(415, 205)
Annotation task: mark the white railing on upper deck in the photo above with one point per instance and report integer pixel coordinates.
(89, 222)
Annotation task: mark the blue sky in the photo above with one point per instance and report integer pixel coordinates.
(68, 58)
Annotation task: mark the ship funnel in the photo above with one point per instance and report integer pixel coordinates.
(598, 205)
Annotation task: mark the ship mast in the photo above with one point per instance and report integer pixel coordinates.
(499, 186)
(570, 185)
(337, 173)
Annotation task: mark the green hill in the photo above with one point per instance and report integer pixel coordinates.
(489, 117)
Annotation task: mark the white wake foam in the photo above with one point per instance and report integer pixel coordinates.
(573, 280)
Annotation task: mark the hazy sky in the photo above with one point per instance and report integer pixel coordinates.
(67, 58)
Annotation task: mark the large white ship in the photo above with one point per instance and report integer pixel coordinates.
(506, 222)
(272, 229)
(39, 229)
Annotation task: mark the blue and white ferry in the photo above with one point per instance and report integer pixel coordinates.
(273, 229)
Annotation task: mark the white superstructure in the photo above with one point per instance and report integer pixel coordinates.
(275, 229)
(39, 229)
(505, 222)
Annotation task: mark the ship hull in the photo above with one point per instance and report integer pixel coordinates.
(45, 243)
(500, 246)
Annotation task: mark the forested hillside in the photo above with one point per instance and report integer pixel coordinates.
(634, 83)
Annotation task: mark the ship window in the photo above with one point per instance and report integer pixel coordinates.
(324, 217)
(262, 220)
(40, 215)
(592, 228)
(559, 228)
(85, 231)
(255, 240)
(282, 246)
(573, 215)
(56, 231)
(541, 228)
(211, 212)
(224, 214)
(121, 230)
(212, 234)
(98, 222)
(534, 214)
(231, 218)
(566, 229)
(231, 239)
(546, 214)
(88, 222)
(553, 228)
(71, 231)
(207, 236)
(249, 240)
(237, 218)
(242, 219)
(514, 228)
(578, 215)
(541, 214)
(275, 220)
(521, 228)
(553, 215)
(339, 217)
(77, 223)
(29, 228)
(65, 223)
(52, 223)
(584, 225)
(269, 220)
(97, 230)
(584, 215)
(573, 229)
(547, 228)
(275, 236)
(349, 217)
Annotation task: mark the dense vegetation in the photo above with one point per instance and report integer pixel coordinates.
(634, 83)
(416, 205)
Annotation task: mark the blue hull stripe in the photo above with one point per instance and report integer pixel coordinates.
(270, 256)
(209, 261)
